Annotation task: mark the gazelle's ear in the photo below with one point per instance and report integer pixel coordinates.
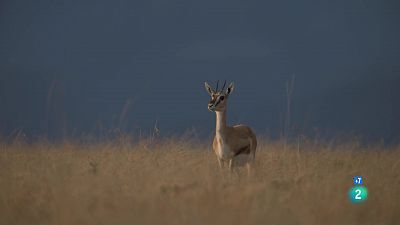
(230, 88)
(208, 88)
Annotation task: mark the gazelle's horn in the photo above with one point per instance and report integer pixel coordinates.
(216, 90)
(223, 86)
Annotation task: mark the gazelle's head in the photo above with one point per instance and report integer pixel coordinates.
(219, 99)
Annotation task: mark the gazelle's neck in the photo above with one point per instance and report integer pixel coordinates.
(221, 122)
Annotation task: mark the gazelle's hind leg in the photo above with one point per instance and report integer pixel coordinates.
(252, 156)
(250, 160)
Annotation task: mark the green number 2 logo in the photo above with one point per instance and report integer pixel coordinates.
(358, 194)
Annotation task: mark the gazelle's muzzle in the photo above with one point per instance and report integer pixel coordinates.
(211, 106)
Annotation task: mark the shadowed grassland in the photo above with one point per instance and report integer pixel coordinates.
(179, 182)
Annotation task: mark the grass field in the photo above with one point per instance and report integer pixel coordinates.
(175, 181)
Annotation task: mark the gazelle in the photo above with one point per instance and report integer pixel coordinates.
(229, 142)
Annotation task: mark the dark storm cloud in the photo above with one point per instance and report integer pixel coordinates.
(232, 48)
(130, 63)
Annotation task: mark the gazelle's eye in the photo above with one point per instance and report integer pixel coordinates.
(221, 98)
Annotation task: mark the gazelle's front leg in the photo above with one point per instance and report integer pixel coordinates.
(231, 164)
(233, 172)
(220, 163)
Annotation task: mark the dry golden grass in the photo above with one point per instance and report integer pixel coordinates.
(178, 182)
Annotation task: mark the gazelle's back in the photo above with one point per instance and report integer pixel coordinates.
(243, 131)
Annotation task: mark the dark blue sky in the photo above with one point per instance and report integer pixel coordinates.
(96, 57)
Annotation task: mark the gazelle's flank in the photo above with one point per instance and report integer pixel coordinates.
(229, 142)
